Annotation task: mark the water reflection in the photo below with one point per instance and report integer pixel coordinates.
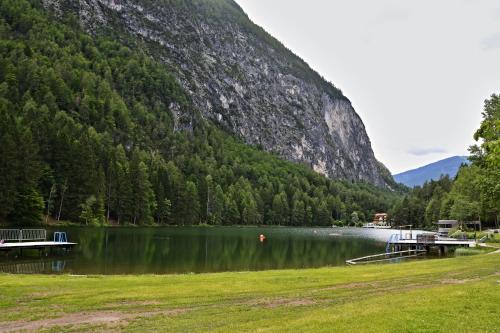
(33, 267)
(198, 249)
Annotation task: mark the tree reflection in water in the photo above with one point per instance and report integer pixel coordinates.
(210, 249)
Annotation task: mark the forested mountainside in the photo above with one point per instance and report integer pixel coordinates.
(433, 171)
(240, 78)
(90, 131)
(473, 195)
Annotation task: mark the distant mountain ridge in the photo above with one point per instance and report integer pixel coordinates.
(415, 177)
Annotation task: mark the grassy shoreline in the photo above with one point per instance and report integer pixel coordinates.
(447, 295)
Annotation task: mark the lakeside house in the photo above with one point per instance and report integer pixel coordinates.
(379, 221)
(444, 226)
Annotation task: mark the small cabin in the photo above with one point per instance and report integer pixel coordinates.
(444, 227)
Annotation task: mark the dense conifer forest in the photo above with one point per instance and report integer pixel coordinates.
(93, 131)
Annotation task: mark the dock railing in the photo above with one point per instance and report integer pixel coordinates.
(397, 255)
(426, 238)
(33, 235)
(393, 238)
(10, 235)
(22, 235)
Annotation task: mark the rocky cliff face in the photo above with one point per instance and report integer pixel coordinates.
(242, 79)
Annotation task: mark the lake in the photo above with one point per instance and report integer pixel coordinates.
(162, 250)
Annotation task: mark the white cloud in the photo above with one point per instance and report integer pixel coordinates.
(392, 14)
(426, 151)
(491, 42)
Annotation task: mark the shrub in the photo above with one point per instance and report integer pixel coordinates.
(467, 251)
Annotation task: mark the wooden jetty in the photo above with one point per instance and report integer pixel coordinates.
(426, 241)
(409, 245)
(19, 239)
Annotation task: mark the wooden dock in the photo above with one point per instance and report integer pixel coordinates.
(400, 246)
(20, 239)
(439, 242)
(35, 245)
(426, 241)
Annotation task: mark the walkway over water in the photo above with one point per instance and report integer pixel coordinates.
(408, 245)
(426, 240)
(389, 256)
(11, 239)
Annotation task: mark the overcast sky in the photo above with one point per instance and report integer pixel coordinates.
(417, 72)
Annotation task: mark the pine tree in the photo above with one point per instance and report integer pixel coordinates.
(88, 211)
(8, 165)
(164, 211)
(280, 209)
(121, 198)
(298, 213)
(217, 211)
(142, 200)
(354, 219)
(191, 204)
(28, 208)
(231, 212)
(250, 213)
(323, 215)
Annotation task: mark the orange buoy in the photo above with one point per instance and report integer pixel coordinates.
(262, 237)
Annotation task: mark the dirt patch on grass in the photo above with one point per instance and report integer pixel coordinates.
(85, 318)
(274, 303)
(351, 286)
(43, 294)
(457, 281)
(140, 303)
(132, 304)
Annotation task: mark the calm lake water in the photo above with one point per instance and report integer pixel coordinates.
(200, 249)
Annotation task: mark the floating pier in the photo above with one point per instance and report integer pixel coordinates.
(409, 245)
(12, 239)
(425, 241)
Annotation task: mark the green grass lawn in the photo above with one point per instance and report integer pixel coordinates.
(495, 241)
(446, 295)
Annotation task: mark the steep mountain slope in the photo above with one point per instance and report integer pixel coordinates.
(240, 78)
(89, 132)
(448, 166)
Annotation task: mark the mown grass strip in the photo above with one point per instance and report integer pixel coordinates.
(457, 294)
